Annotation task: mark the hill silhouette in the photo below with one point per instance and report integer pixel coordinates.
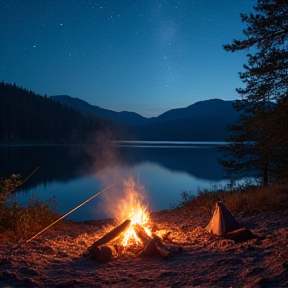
(203, 121)
(29, 117)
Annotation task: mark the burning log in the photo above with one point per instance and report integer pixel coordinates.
(152, 245)
(102, 253)
(141, 233)
(116, 232)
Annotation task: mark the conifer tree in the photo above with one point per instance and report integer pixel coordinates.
(257, 141)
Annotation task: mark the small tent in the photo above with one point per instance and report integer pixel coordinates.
(222, 221)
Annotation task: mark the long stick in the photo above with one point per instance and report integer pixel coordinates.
(23, 181)
(97, 194)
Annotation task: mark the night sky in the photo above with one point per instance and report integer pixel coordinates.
(145, 56)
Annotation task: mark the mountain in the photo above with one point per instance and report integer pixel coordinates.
(29, 117)
(207, 108)
(203, 121)
(122, 117)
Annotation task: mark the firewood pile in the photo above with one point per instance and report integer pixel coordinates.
(109, 247)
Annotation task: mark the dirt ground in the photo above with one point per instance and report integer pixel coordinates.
(196, 257)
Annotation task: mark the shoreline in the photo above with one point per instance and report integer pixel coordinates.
(55, 259)
(124, 143)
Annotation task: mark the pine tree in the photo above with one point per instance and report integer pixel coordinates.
(266, 74)
(257, 141)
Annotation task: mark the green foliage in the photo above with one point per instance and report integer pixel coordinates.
(8, 185)
(251, 148)
(258, 142)
(20, 222)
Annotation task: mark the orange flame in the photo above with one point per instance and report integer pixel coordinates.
(141, 217)
(135, 211)
(128, 202)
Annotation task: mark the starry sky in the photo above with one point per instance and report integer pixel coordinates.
(144, 56)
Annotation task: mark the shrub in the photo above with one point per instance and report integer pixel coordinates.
(8, 185)
(253, 199)
(20, 222)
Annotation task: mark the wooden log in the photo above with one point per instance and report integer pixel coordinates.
(163, 252)
(141, 233)
(155, 247)
(152, 245)
(116, 232)
(150, 248)
(104, 253)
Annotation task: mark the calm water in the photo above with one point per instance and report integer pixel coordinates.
(161, 170)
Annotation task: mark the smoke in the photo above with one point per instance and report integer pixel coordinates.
(127, 193)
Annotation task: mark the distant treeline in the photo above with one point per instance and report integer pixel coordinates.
(29, 117)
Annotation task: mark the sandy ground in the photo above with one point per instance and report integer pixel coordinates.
(196, 259)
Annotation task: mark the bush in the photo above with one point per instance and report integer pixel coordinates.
(8, 185)
(20, 222)
(252, 199)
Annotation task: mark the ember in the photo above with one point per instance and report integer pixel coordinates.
(134, 231)
(140, 218)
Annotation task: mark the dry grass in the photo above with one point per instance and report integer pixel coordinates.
(19, 222)
(252, 199)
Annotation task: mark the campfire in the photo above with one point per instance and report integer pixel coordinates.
(134, 231)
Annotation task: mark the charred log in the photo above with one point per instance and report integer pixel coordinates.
(104, 253)
(155, 247)
(141, 234)
(116, 232)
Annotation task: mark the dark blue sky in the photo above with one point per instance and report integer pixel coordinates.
(145, 56)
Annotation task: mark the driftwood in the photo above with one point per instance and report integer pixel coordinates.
(116, 232)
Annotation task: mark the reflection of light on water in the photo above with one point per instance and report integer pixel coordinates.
(168, 144)
(68, 195)
(165, 174)
(165, 186)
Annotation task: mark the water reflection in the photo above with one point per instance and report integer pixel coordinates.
(73, 173)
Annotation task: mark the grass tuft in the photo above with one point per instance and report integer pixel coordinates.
(252, 199)
(18, 222)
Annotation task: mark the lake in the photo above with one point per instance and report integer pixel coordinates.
(157, 171)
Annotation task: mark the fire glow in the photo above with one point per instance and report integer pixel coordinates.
(131, 208)
(134, 230)
(139, 217)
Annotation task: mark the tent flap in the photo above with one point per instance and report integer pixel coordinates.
(222, 221)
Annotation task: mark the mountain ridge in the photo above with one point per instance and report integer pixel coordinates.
(206, 108)
(202, 121)
(79, 104)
